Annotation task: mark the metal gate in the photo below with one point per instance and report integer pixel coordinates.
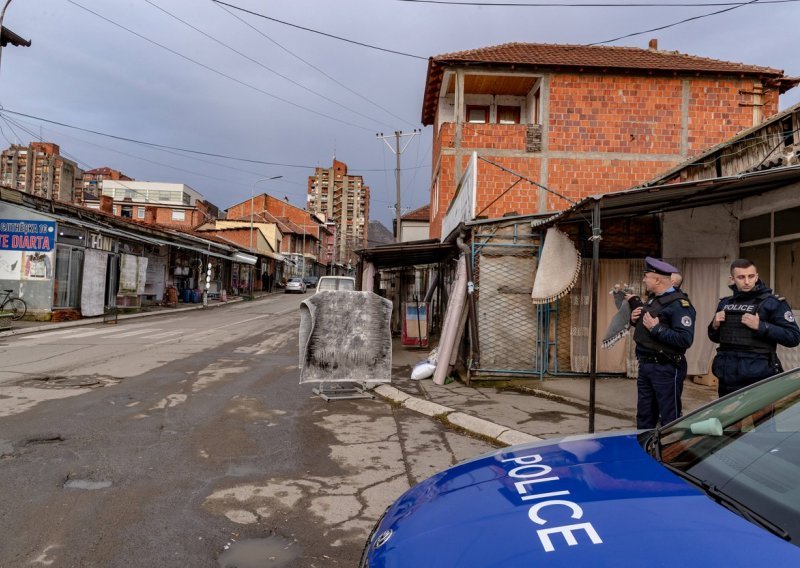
(515, 335)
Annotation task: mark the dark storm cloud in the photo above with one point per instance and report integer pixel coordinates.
(193, 92)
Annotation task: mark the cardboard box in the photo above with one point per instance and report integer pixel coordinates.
(707, 380)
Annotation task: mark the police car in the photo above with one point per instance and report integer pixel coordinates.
(718, 487)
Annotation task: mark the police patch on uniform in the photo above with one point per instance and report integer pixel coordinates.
(685, 303)
(788, 316)
(686, 321)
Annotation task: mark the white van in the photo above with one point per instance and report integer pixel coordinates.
(336, 283)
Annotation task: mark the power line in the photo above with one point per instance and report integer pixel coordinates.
(322, 72)
(4, 111)
(354, 42)
(591, 5)
(153, 144)
(252, 60)
(701, 16)
(220, 73)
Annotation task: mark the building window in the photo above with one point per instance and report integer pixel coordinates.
(477, 113)
(178, 215)
(69, 267)
(140, 213)
(508, 114)
(772, 242)
(127, 211)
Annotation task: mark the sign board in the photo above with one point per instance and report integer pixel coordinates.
(462, 207)
(31, 236)
(26, 249)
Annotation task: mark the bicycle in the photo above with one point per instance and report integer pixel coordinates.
(16, 306)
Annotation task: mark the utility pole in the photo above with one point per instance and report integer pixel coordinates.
(397, 152)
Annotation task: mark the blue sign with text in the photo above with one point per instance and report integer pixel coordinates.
(24, 235)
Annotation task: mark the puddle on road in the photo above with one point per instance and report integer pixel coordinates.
(270, 552)
(86, 484)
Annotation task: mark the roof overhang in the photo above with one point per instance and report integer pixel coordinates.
(7, 36)
(244, 258)
(413, 253)
(677, 196)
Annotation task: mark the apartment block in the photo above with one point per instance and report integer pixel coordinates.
(40, 169)
(344, 200)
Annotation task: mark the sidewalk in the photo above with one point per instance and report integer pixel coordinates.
(519, 410)
(505, 412)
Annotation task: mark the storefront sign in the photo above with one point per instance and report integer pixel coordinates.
(32, 236)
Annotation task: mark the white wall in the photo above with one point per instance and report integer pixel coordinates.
(705, 232)
(414, 231)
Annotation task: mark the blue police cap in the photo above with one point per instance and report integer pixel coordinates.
(658, 266)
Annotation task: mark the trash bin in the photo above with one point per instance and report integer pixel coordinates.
(187, 295)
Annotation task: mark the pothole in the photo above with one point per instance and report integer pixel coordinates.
(57, 382)
(89, 481)
(270, 552)
(44, 440)
(86, 484)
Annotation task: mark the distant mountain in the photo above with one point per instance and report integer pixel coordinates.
(379, 235)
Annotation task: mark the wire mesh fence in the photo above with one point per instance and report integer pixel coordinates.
(513, 332)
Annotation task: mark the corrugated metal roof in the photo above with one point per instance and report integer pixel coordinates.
(677, 196)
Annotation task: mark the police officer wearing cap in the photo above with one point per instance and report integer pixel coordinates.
(664, 330)
(749, 326)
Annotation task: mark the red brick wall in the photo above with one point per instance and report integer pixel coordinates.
(715, 113)
(637, 115)
(629, 115)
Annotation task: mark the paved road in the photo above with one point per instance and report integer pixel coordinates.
(185, 440)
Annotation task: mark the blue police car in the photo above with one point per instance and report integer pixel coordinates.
(718, 487)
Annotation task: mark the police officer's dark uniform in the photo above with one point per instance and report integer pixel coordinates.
(746, 356)
(660, 351)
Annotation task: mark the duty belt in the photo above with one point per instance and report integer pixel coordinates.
(661, 359)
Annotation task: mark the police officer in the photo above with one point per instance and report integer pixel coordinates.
(749, 326)
(664, 330)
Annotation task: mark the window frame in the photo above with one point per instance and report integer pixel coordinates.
(485, 108)
(516, 109)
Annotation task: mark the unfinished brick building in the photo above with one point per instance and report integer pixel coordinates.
(579, 120)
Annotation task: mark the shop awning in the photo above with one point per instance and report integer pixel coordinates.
(244, 258)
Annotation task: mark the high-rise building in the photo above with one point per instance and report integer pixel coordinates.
(40, 169)
(344, 200)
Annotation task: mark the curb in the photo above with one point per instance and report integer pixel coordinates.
(477, 426)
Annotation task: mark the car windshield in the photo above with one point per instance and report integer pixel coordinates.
(336, 284)
(744, 451)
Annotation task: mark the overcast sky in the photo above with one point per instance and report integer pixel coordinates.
(197, 75)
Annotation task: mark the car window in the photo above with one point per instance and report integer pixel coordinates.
(336, 284)
(746, 445)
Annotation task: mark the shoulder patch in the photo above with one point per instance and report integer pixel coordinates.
(685, 303)
(780, 298)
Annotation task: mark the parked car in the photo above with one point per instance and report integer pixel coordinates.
(718, 487)
(311, 281)
(295, 285)
(336, 283)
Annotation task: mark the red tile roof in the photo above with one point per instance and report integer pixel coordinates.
(545, 54)
(421, 214)
(587, 58)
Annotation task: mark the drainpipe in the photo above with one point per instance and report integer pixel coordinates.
(473, 320)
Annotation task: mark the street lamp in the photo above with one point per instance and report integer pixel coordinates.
(252, 207)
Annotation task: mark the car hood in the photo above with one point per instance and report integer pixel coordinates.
(595, 501)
